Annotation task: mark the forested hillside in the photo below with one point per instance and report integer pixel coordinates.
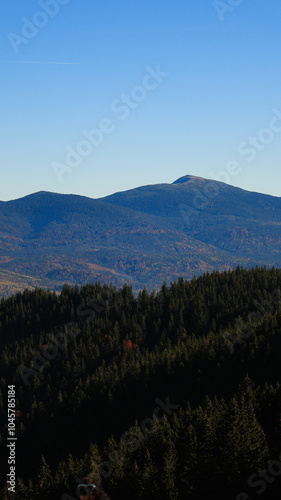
(140, 237)
(167, 395)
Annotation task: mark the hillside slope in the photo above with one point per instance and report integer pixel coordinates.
(142, 236)
(201, 358)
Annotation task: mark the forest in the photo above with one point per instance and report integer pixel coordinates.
(167, 395)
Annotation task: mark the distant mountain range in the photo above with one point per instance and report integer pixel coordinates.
(142, 236)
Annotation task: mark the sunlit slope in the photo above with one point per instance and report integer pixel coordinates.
(142, 236)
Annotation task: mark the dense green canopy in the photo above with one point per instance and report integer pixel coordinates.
(174, 395)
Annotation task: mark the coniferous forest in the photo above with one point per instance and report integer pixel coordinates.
(168, 395)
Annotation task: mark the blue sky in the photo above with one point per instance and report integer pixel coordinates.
(212, 108)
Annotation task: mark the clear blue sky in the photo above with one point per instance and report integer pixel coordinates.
(214, 106)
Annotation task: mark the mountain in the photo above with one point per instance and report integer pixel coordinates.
(142, 236)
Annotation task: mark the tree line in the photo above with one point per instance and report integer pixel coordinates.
(171, 395)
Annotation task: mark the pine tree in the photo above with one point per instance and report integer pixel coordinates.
(44, 482)
(168, 479)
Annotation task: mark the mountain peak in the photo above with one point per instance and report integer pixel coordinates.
(187, 178)
(142, 236)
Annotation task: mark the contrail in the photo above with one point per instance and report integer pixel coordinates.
(39, 62)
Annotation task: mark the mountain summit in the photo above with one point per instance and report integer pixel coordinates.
(187, 178)
(142, 236)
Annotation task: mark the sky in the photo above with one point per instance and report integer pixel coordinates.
(101, 96)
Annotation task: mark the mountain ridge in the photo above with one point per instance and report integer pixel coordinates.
(180, 180)
(143, 235)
